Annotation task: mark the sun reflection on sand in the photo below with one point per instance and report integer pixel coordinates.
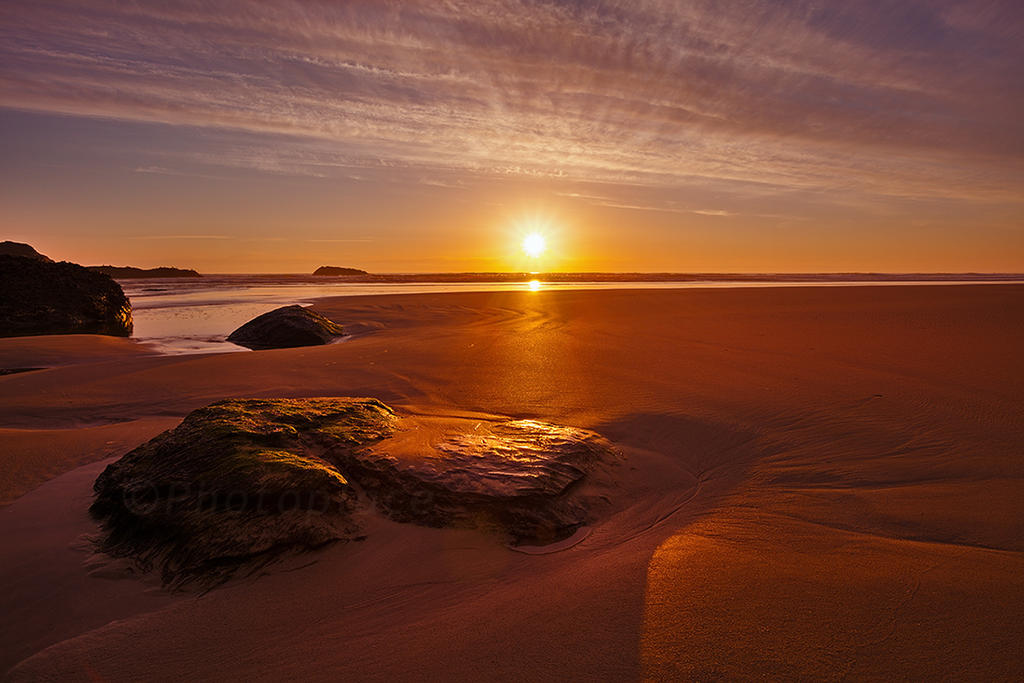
(534, 285)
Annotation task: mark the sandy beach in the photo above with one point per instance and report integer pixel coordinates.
(816, 482)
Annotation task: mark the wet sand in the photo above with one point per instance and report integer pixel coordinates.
(820, 482)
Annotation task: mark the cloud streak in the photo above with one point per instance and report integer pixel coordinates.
(901, 99)
(181, 237)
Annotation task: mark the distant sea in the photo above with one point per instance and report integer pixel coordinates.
(195, 315)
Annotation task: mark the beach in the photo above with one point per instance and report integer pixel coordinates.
(818, 482)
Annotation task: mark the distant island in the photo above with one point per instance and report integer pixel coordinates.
(127, 272)
(336, 270)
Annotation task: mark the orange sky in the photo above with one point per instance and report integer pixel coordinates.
(648, 135)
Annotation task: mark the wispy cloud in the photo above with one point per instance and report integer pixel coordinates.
(181, 237)
(804, 95)
(610, 202)
(355, 239)
(157, 170)
(666, 206)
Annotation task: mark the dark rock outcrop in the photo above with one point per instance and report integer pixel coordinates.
(128, 272)
(337, 270)
(236, 483)
(41, 297)
(23, 250)
(244, 480)
(286, 327)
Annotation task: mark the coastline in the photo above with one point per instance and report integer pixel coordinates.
(794, 452)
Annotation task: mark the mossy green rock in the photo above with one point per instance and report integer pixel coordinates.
(237, 483)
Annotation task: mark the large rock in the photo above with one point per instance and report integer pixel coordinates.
(242, 481)
(286, 327)
(41, 297)
(236, 483)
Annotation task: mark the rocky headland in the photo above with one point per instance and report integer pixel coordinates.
(38, 296)
(129, 273)
(8, 248)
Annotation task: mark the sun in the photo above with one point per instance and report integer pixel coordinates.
(534, 244)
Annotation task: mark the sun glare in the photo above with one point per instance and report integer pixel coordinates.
(534, 244)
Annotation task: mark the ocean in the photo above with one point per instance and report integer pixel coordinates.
(195, 315)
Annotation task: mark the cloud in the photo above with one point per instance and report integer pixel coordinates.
(181, 237)
(896, 99)
(354, 239)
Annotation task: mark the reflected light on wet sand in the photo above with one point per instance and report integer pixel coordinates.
(534, 285)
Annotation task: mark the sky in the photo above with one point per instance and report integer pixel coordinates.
(433, 135)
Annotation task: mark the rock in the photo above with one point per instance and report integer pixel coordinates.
(42, 297)
(336, 270)
(244, 480)
(128, 273)
(286, 327)
(512, 477)
(236, 483)
(22, 250)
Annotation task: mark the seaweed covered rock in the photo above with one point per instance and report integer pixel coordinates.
(243, 480)
(286, 327)
(41, 297)
(237, 482)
